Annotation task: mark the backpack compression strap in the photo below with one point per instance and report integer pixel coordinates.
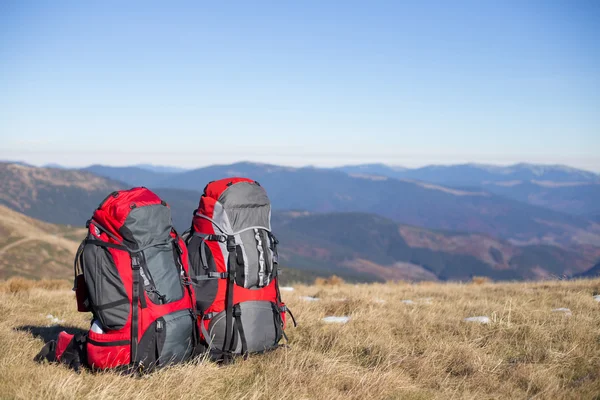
(227, 343)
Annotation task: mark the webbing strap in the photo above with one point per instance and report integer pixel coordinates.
(208, 315)
(135, 266)
(211, 237)
(110, 305)
(211, 221)
(229, 296)
(206, 335)
(210, 275)
(125, 248)
(203, 258)
(291, 315)
(239, 327)
(186, 278)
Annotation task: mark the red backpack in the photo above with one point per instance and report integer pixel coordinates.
(132, 274)
(233, 262)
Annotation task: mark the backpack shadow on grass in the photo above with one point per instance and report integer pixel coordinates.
(72, 355)
(49, 333)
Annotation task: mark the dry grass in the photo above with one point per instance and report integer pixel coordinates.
(333, 280)
(388, 350)
(480, 280)
(36, 249)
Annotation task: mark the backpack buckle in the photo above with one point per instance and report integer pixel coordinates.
(186, 280)
(135, 263)
(230, 243)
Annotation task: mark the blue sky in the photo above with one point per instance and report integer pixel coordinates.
(298, 83)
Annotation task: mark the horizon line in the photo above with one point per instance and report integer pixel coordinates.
(174, 166)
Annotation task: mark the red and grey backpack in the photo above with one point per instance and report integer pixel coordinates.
(132, 274)
(233, 262)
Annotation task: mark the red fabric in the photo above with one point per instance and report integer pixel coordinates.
(62, 342)
(103, 357)
(114, 211)
(216, 188)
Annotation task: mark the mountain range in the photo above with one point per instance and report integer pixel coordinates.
(556, 187)
(419, 203)
(363, 227)
(475, 174)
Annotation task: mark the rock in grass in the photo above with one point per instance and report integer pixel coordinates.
(336, 320)
(566, 311)
(408, 302)
(480, 319)
(286, 289)
(597, 298)
(309, 298)
(53, 319)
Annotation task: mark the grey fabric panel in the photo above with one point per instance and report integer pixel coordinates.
(216, 333)
(149, 224)
(246, 204)
(247, 274)
(161, 264)
(258, 321)
(221, 218)
(179, 334)
(105, 286)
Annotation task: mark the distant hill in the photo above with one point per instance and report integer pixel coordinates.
(53, 195)
(577, 198)
(556, 187)
(54, 165)
(476, 174)
(35, 249)
(415, 203)
(182, 203)
(559, 188)
(368, 247)
(137, 175)
(593, 272)
(366, 228)
(316, 190)
(132, 176)
(357, 247)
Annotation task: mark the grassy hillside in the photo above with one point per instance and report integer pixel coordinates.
(36, 249)
(60, 196)
(371, 247)
(388, 350)
(358, 247)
